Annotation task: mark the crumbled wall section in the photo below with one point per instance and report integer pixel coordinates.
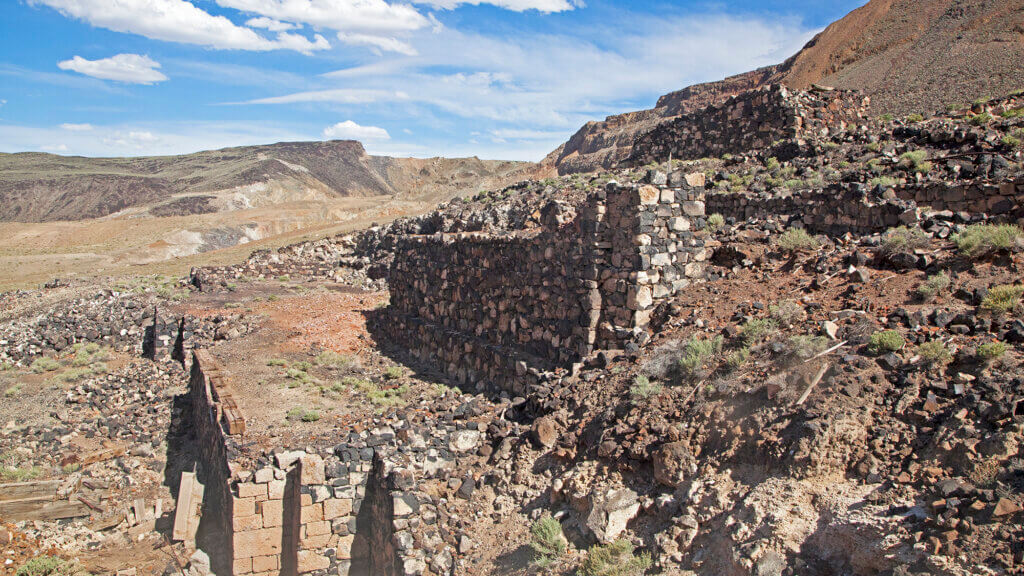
(750, 121)
(502, 309)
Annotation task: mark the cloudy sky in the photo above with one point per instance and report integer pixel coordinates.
(494, 78)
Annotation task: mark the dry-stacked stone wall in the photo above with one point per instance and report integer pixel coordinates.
(505, 309)
(1003, 199)
(751, 120)
(835, 210)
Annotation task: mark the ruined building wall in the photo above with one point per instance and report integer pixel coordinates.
(749, 121)
(501, 309)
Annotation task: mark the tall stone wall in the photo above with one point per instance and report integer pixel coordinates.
(503, 309)
(749, 121)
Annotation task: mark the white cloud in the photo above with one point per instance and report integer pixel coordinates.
(54, 148)
(378, 43)
(546, 6)
(342, 15)
(129, 68)
(76, 127)
(143, 136)
(338, 96)
(518, 134)
(349, 130)
(178, 21)
(270, 24)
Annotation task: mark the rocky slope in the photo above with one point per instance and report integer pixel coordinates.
(43, 187)
(909, 56)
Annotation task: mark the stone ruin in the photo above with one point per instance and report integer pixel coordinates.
(508, 312)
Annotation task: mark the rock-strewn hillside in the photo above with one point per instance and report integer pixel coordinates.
(43, 187)
(909, 56)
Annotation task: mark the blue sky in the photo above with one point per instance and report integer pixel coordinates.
(505, 79)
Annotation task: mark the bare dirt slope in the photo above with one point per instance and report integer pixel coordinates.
(908, 55)
(44, 187)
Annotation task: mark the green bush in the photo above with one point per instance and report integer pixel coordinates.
(933, 286)
(796, 239)
(934, 352)
(301, 413)
(883, 181)
(547, 541)
(885, 341)
(902, 240)
(771, 164)
(696, 353)
(886, 118)
(915, 118)
(916, 161)
(12, 391)
(643, 389)
(331, 359)
(49, 566)
(377, 395)
(1002, 299)
(875, 147)
(277, 362)
(981, 119)
(804, 347)
(756, 329)
(393, 373)
(715, 221)
(44, 364)
(787, 312)
(311, 416)
(615, 559)
(991, 351)
(982, 239)
(737, 358)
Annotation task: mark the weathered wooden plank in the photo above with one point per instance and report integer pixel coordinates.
(23, 490)
(41, 510)
(184, 506)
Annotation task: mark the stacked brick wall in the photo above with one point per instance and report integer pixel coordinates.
(503, 309)
(749, 121)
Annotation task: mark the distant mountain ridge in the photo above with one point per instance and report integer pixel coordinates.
(36, 187)
(907, 55)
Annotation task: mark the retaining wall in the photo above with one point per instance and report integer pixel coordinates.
(503, 309)
(749, 121)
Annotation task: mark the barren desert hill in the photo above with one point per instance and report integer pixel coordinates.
(909, 56)
(36, 187)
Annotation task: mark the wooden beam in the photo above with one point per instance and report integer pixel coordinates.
(23, 490)
(39, 509)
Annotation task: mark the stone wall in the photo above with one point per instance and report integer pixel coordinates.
(749, 121)
(503, 309)
(835, 210)
(1005, 199)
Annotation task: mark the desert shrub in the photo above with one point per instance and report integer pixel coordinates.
(873, 147)
(615, 559)
(47, 565)
(277, 362)
(643, 389)
(902, 240)
(44, 364)
(794, 183)
(787, 312)
(915, 118)
(916, 161)
(883, 181)
(933, 286)
(300, 376)
(302, 413)
(756, 329)
(771, 164)
(885, 341)
(796, 239)
(981, 119)
(982, 239)
(804, 347)
(934, 352)
(715, 221)
(393, 373)
(304, 366)
(737, 358)
(886, 118)
(547, 541)
(331, 359)
(311, 416)
(1011, 142)
(1002, 299)
(991, 351)
(12, 391)
(14, 468)
(377, 395)
(696, 353)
